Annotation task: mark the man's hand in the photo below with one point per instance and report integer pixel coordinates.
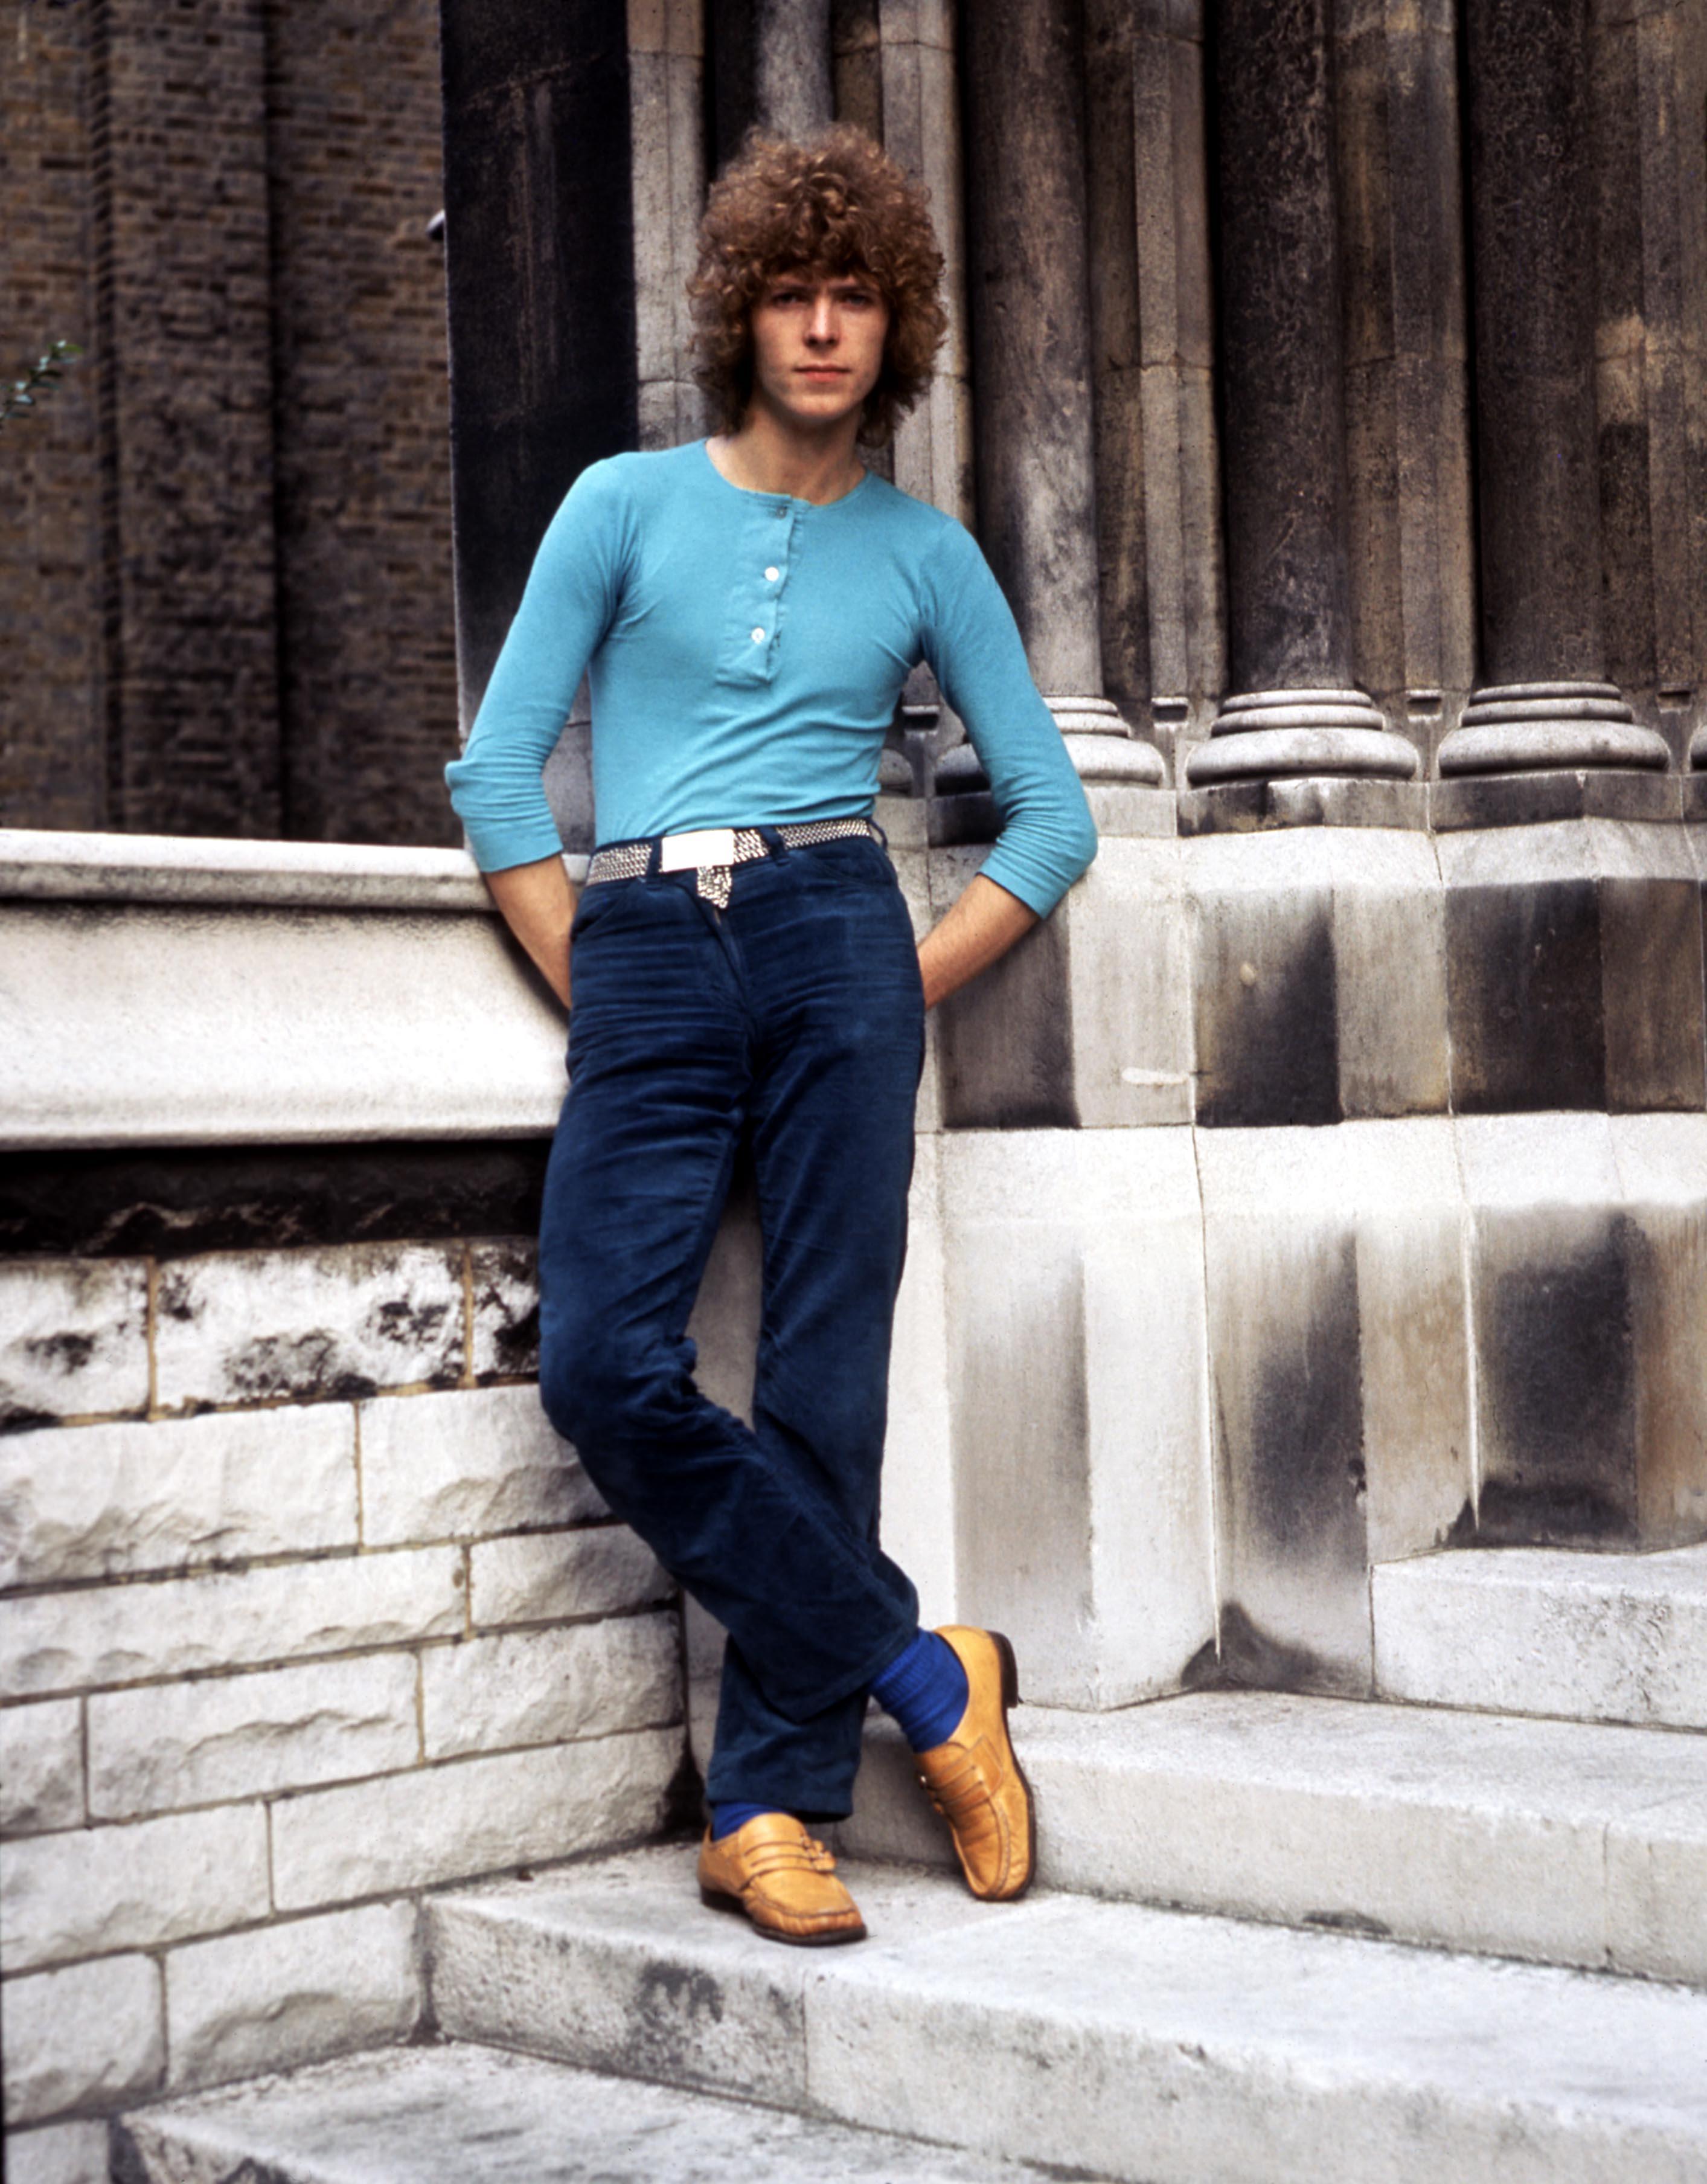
(983, 924)
(537, 903)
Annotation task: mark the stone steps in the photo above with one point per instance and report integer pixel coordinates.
(1562, 1842)
(1605, 1637)
(459, 2114)
(1113, 2039)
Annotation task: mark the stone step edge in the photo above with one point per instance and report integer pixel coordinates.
(453, 2094)
(1158, 2048)
(1554, 1873)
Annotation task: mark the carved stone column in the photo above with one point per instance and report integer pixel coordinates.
(1031, 352)
(769, 67)
(1544, 704)
(1296, 710)
(667, 162)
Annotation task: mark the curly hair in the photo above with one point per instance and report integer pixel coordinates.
(840, 201)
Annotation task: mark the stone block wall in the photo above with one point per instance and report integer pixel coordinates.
(304, 1610)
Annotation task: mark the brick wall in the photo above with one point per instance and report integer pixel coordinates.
(51, 756)
(228, 609)
(303, 1610)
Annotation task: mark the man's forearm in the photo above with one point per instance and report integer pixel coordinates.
(537, 903)
(983, 924)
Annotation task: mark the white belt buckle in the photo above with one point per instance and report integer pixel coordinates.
(685, 853)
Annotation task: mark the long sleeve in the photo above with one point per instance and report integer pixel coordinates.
(574, 591)
(1047, 836)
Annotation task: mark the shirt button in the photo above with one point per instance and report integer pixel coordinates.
(758, 637)
(771, 574)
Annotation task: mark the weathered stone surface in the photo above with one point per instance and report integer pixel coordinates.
(166, 1746)
(1535, 799)
(1468, 1831)
(1534, 1630)
(1339, 1380)
(541, 1577)
(465, 1463)
(1254, 807)
(40, 1767)
(1288, 597)
(470, 1817)
(1078, 1027)
(550, 1686)
(1531, 229)
(92, 1890)
(178, 1626)
(291, 1993)
(1075, 1347)
(1319, 976)
(270, 1026)
(76, 1339)
(308, 1326)
(667, 185)
(770, 68)
(414, 2116)
(1588, 1296)
(1128, 2042)
(506, 1309)
(59, 2153)
(1574, 967)
(1026, 228)
(92, 2035)
(112, 1500)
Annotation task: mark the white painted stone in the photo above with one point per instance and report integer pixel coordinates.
(1129, 963)
(1547, 1159)
(466, 1463)
(1133, 2043)
(59, 2153)
(74, 1336)
(542, 1577)
(291, 1993)
(164, 1746)
(58, 1641)
(252, 1022)
(549, 1686)
(106, 1501)
(1546, 1631)
(92, 1890)
(469, 1816)
(1076, 1337)
(41, 1767)
(505, 1277)
(309, 1326)
(90, 2037)
(423, 2115)
(1656, 1889)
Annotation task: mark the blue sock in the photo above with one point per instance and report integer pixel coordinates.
(725, 1818)
(925, 1689)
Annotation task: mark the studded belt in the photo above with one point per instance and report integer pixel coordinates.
(711, 853)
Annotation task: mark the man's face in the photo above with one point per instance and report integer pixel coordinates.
(817, 344)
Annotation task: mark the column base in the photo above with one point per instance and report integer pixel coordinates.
(1270, 735)
(1102, 747)
(1255, 807)
(1536, 728)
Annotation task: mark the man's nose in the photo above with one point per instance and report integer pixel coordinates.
(822, 327)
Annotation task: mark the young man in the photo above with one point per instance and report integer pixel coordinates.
(748, 608)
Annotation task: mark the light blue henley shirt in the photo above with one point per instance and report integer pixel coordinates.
(746, 651)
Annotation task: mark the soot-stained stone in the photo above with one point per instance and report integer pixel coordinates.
(179, 1201)
(1289, 603)
(1267, 1010)
(1532, 229)
(1652, 980)
(505, 1273)
(540, 268)
(1524, 997)
(1006, 1042)
(1556, 1377)
(1286, 1389)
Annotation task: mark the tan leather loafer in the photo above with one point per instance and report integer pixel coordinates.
(783, 1879)
(975, 1780)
